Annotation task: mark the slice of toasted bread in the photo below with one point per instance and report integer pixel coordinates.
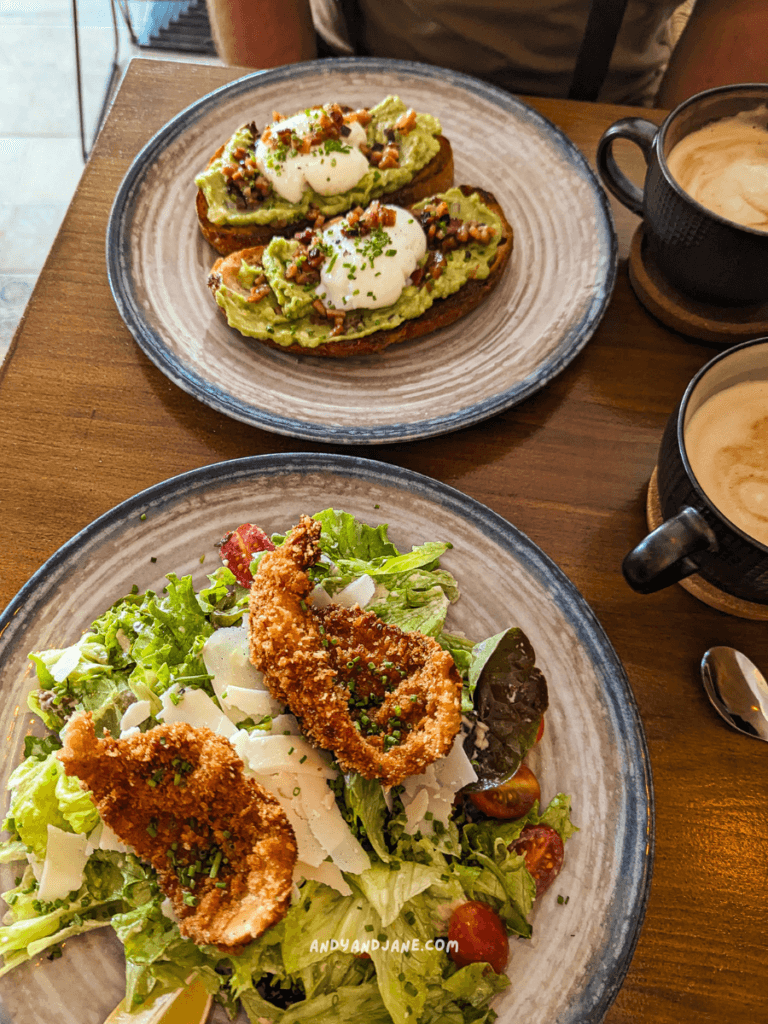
(436, 176)
(440, 314)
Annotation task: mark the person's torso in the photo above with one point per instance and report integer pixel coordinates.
(526, 46)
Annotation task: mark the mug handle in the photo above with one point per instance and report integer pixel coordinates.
(661, 558)
(642, 133)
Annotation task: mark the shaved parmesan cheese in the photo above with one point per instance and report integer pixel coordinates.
(252, 703)
(454, 771)
(166, 909)
(285, 725)
(65, 858)
(270, 754)
(415, 810)
(330, 829)
(36, 865)
(195, 708)
(103, 838)
(358, 592)
(227, 659)
(110, 841)
(326, 873)
(137, 713)
(433, 791)
(319, 598)
(309, 849)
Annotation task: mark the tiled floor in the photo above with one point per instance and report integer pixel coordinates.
(39, 126)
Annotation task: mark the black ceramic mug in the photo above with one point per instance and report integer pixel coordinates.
(697, 536)
(700, 253)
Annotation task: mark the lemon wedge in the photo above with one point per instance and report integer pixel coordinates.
(190, 1005)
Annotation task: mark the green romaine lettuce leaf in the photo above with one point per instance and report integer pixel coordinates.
(43, 794)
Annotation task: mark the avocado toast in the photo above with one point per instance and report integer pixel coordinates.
(334, 290)
(258, 185)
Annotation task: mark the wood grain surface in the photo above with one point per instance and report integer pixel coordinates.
(86, 421)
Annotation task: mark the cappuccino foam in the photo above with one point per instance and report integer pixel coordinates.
(726, 441)
(724, 166)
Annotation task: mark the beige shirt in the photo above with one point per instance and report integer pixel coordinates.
(525, 46)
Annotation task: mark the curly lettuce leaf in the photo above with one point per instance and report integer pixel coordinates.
(42, 794)
(111, 883)
(496, 875)
(79, 677)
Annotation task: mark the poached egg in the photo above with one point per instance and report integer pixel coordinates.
(370, 271)
(330, 167)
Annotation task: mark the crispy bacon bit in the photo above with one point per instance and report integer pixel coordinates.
(259, 289)
(362, 116)
(304, 267)
(362, 222)
(390, 157)
(446, 233)
(418, 276)
(407, 122)
(482, 233)
(277, 116)
(304, 236)
(338, 325)
(246, 185)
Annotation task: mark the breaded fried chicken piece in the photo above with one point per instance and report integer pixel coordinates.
(386, 702)
(222, 846)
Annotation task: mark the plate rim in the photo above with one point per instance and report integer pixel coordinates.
(636, 863)
(151, 343)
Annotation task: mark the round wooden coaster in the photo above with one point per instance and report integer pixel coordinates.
(695, 585)
(721, 324)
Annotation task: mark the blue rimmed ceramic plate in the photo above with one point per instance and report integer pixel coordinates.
(543, 312)
(593, 746)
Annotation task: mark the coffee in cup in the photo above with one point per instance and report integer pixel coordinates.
(706, 255)
(724, 166)
(711, 480)
(726, 441)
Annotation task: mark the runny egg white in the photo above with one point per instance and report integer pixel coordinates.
(370, 271)
(330, 167)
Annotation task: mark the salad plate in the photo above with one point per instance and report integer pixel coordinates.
(542, 313)
(586, 927)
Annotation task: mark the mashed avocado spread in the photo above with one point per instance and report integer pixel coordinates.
(286, 315)
(417, 147)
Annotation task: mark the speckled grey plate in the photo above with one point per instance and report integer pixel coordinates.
(543, 312)
(593, 745)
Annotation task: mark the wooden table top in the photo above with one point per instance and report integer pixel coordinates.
(569, 467)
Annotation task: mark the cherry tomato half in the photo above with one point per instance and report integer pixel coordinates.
(239, 547)
(540, 733)
(480, 934)
(513, 799)
(543, 850)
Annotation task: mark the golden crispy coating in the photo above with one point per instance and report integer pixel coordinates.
(386, 702)
(222, 846)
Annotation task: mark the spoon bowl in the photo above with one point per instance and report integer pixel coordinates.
(737, 689)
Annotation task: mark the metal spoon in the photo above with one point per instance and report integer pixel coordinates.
(737, 689)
